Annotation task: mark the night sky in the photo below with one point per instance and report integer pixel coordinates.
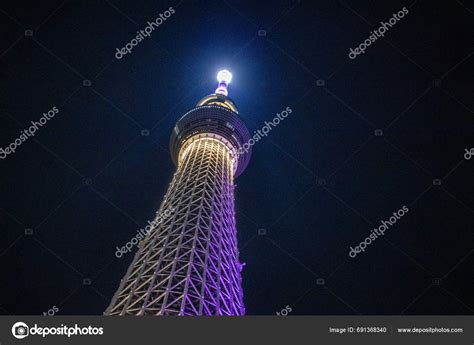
(366, 137)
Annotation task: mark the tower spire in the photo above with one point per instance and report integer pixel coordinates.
(224, 77)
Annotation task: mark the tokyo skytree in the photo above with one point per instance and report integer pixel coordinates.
(188, 264)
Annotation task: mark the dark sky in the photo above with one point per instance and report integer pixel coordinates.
(366, 137)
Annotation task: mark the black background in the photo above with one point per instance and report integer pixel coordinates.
(319, 183)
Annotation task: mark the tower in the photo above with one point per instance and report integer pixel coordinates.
(188, 264)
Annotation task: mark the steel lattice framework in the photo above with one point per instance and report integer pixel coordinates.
(189, 263)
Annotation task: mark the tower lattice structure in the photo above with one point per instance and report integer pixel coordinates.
(189, 262)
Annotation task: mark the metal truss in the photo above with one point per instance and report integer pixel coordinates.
(189, 264)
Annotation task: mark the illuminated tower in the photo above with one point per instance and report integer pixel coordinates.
(189, 263)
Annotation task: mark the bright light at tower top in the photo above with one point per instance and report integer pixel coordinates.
(224, 77)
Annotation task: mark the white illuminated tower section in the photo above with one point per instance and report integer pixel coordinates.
(189, 263)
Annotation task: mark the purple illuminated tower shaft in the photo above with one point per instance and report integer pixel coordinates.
(189, 264)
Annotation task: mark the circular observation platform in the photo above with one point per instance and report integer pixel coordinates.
(215, 116)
